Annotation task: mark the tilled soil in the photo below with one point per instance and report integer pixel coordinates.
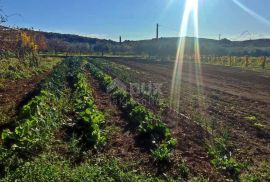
(121, 139)
(123, 143)
(190, 147)
(15, 93)
(230, 95)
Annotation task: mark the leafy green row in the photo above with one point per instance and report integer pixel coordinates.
(40, 116)
(127, 75)
(87, 112)
(37, 122)
(156, 133)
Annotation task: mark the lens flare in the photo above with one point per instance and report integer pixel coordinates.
(191, 9)
(251, 12)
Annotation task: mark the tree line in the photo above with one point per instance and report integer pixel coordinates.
(25, 43)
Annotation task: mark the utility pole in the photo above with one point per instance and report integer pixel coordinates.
(157, 31)
(120, 40)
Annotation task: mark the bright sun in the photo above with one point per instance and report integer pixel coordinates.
(191, 4)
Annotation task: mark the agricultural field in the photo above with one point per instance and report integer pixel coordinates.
(127, 91)
(232, 112)
(17, 81)
(100, 119)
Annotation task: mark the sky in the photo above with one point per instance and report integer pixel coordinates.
(136, 19)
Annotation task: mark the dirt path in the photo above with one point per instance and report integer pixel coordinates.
(14, 93)
(230, 95)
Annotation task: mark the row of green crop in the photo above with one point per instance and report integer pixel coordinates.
(128, 75)
(155, 133)
(38, 120)
(88, 115)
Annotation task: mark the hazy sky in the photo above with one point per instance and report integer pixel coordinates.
(136, 19)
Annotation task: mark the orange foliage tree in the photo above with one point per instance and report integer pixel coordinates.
(27, 47)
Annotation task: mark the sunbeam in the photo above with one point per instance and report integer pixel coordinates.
(191, 9)
(251, 12)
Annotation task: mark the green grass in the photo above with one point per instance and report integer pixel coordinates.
(257, 173)
(6, 114)
(52, 167)
(13, 69)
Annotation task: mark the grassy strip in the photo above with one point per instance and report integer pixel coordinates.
(38, 119)
(157, 134)
(257, 173)
(13, 69)
(54, 168)
(87, 113)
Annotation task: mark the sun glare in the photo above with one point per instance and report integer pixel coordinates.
(251, 12)
(190, 10)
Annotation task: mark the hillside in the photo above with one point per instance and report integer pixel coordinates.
(57, 42)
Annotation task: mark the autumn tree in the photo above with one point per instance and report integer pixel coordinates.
(27, 47)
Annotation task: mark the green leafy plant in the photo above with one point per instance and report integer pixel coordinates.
(144, 120)
(87, 111)
(221, 152)
(38, 120)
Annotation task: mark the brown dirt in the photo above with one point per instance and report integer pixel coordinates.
(231, 94)
(191, 144)
(121, 140)
(16, 92)
(122, 143)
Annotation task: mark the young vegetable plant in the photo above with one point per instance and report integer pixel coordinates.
(220, 150)
(154, 130)
(38, 120)
(40, 116)
(87, 113)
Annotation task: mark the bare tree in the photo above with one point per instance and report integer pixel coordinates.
(3, 17)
